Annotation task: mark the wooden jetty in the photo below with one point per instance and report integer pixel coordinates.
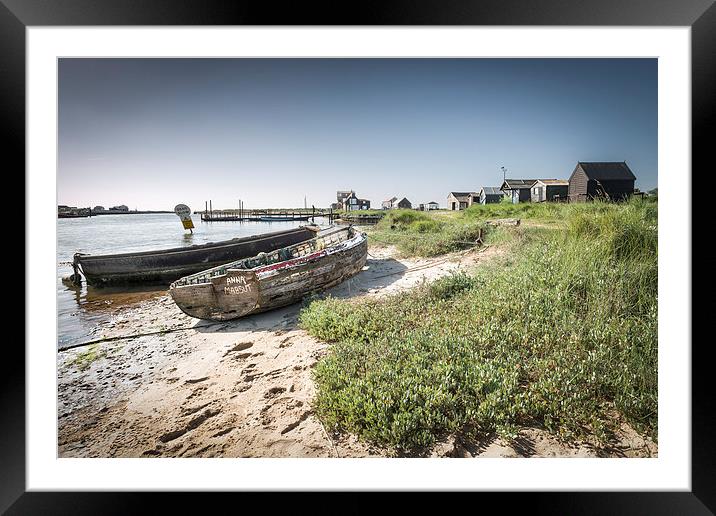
(242, 214)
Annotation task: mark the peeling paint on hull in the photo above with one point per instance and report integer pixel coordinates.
(240, 292)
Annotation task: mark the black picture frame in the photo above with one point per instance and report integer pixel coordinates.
(700, 15)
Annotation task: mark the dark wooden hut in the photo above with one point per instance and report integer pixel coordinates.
(490, 194)
(404, 203)
(550, 190)
(611, 180)
(519, 190)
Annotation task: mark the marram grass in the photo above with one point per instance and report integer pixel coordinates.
(562, 334)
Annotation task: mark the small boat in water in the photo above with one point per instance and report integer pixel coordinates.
(166, 265)
(272, 280)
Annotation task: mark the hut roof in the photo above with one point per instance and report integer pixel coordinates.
(492, 190)
(461, 196)
(554, 182)
(517, 184)
(607, 170)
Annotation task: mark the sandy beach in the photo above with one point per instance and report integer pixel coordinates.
(243, 388)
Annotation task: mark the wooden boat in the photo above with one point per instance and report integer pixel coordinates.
(166, 265)
(272, 280)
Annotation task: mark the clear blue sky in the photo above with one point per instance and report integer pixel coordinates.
(151, 133)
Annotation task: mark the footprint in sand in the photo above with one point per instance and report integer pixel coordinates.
(197, 380)
(223, 432)
(273, 392)
(300, 420)
(241, 346)
(187, 411)
(191, 425)
(196, 392)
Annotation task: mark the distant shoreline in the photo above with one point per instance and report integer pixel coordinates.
(107, 212)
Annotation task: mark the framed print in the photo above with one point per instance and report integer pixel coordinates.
(367, 248)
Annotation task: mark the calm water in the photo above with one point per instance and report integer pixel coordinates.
(82, 309)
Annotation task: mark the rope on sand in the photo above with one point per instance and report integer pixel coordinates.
(430, 264)
(134, 336)
(333, 445)
(172, 330)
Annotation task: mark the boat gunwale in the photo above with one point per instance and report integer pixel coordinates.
(359, 238)
(198, 247)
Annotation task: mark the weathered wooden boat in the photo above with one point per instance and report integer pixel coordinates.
(272, 280)
(166, 265)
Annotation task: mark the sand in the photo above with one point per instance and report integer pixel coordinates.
(243, 388)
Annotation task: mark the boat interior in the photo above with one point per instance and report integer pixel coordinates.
(324, 238)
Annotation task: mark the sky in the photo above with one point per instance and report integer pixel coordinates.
(153, 133)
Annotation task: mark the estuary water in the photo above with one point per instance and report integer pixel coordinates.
(81, 311)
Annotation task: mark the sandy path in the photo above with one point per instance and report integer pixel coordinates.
(236, 389)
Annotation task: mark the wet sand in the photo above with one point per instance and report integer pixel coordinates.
(242, 388)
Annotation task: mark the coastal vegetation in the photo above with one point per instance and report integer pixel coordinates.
(417, 233)
(560, 333)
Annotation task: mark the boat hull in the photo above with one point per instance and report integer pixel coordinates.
(165, 266)
(242, 292)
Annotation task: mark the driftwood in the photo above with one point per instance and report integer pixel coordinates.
(503, 222)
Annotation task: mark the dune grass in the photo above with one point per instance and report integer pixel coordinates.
(417, 233)
(562, 334)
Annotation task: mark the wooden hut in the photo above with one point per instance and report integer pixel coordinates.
(490, 194)
(612, 180)
(458, 200)
(473, 198)
(519, 190)
(405, 204)
(550, 190)
(353, 203)
(389, 204)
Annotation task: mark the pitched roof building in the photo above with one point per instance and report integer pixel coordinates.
(549, 190)
(518, 189)
(490, 194)
(404, 203)
(458, 200)
(389, 204)
(612, 180)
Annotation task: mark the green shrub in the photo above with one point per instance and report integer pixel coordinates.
(562, 334)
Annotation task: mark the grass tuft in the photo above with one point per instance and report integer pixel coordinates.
(561, 334)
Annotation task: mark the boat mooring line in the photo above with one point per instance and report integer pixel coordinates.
(172, 330)
(135, 335)
(430, 264)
